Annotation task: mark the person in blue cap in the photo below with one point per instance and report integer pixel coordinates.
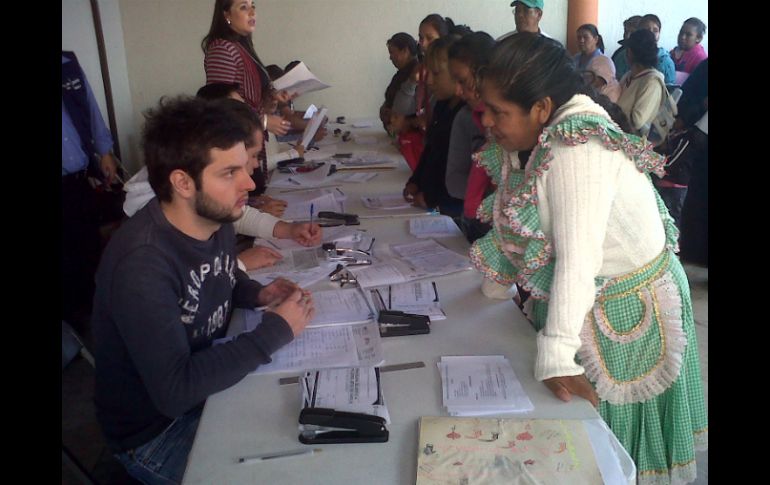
(527, 15)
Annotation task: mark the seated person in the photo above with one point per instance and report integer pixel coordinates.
(688, 53)
(167, 286)
(252, 222)
(665, 64)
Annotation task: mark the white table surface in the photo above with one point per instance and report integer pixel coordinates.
(258, 415)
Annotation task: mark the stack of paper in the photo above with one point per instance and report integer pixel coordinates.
(433, 226)
(298, 203)
(342, 306)
(385, 201)
(351, 389)
(481, 385)
(304, 266)
(299, 180)
(418, 297)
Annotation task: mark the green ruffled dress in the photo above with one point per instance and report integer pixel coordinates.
(639, 348)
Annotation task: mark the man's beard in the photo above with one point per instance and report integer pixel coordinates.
(207, 208)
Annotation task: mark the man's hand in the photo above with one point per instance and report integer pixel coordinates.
(297, 310)
(305, 233)
(276, 292)
(109, 167)
(283, 96)
(259, 257)
(563, 387)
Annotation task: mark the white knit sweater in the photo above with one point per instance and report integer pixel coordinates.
(600, 213)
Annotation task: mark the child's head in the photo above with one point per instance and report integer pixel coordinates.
(433, 27)
(642, 49)
(466, 56)
(440, 81)
(691, 33)
(589, 39)
(402, 49)
(630, 25)
(651, 22)
(274, 71)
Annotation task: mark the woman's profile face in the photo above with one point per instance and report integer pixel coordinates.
(426, 36)
(586, 41)
(399, 57)
(513, 128)
(242, 17)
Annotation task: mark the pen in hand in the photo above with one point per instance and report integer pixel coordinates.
(280, 454)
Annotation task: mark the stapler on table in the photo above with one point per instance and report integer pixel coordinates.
(324, 425)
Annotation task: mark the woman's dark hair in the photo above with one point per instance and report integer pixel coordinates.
(632, 21)
(274, 71)
(651, 17)
(179, 134)
(473, 50)
(528, 67)
(591, 29)
(440, 24)
(217, 90)
(290, 65)
(460, 30)
(700, 27)
(643, 47)
(440, 48)
(402, 41)
(221, 30)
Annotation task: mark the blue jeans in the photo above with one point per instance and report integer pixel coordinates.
(163, 459)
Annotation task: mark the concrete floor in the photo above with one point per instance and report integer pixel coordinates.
(81, 433)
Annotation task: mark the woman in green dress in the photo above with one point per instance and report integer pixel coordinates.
(583, 230)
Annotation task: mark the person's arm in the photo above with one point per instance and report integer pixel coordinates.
(223, 64)
(579, 188)
(146, 309)
(101, 135)
(458, 164)
(255, 223)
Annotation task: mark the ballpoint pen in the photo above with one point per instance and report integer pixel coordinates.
(312, 207)
(279, 454)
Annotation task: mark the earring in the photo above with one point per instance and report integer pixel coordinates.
(228, 22)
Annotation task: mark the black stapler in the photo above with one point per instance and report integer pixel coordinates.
(324, 425)
(395, 323)
(329, 219)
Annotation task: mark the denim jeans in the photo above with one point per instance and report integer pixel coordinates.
(163, 459)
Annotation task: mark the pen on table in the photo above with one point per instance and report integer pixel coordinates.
(312, 207)
(280, 454)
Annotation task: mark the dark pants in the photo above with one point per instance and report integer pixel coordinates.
(694, 238)
(473, 228)
(673, 197)
(80, 246)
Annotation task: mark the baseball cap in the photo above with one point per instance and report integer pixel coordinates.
(529, 3)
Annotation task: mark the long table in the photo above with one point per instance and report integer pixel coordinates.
(258, 415)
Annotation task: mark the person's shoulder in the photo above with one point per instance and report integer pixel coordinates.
(219, 46)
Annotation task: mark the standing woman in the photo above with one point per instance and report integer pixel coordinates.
(609, 298)
(230, 58)
(591, 58)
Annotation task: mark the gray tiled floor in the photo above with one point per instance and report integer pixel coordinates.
(81, 434)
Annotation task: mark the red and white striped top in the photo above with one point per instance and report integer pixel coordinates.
(229, 62)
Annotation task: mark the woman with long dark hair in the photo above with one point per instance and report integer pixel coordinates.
(583, 230)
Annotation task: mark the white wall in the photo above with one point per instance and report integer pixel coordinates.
(79, 36)
(672, 14)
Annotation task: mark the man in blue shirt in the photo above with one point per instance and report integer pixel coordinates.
(85, 141)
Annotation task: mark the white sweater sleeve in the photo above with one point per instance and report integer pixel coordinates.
(255, 223)
(576, 194)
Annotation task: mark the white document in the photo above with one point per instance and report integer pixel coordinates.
(298, 205)
(383, 273)
(312, 179)
(418, 297)
(385, 201)
(299, 80)
(309, 112)
(431, 258)
(356, 177)
(351, 389)
(433, 226)
(362, 124)
(304, 266)
(293, 260)
(312, 126)
(340, 307)
(479, 385)
(367, 159)
(325, 347)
